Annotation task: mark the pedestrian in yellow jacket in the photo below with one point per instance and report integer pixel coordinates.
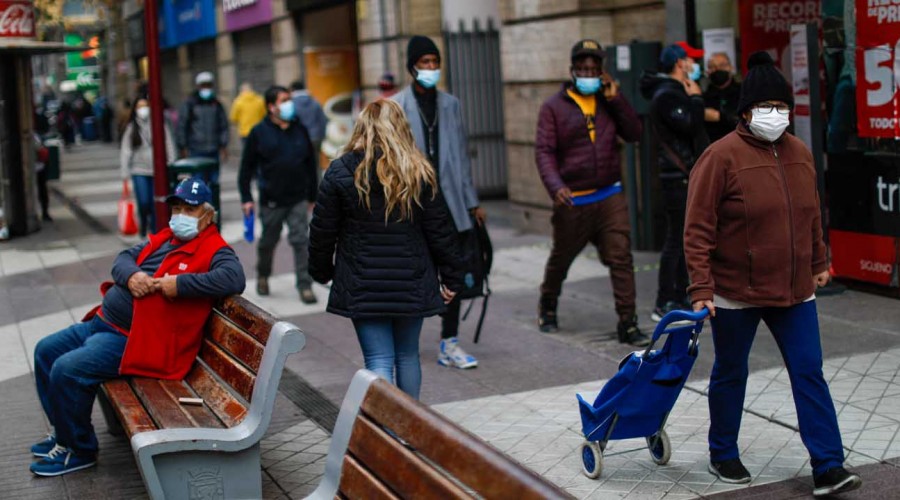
(247, 110)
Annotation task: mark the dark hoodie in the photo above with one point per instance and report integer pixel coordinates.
(676, 121)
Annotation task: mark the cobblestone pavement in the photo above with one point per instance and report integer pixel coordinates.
(521, 398)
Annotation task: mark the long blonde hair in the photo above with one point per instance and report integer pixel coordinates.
(402, 169)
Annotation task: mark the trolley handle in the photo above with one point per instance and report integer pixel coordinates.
(673, 317)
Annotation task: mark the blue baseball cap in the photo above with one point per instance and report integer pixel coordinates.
(669, 56)
(192, 191)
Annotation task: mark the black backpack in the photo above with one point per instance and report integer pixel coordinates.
(478, 257)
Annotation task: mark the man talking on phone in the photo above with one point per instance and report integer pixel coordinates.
(578, 160)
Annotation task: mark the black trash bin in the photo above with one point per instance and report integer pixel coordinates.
(201, 167)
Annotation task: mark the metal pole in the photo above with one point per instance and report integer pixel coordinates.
(382, 13)
(160, 172)
(816, 118)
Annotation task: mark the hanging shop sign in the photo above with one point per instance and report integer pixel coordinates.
(243, 14)
(186, 21)
(766, 25)
(877, 42)
(16, 19)
(83, 66)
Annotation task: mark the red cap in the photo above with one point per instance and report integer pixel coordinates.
(691, 51)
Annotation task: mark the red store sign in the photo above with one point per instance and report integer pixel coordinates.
(877, 42)
(16, 19)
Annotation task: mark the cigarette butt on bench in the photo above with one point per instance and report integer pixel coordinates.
(191, 401)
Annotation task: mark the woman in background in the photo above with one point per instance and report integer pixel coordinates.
(136, 159)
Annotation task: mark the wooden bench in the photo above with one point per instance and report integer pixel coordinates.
(387, 445)
(212, 450)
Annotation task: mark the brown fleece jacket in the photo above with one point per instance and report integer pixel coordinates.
(752, 230)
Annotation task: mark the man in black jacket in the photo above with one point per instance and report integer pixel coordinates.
(721, 97)
(280, 155)
(676, 121)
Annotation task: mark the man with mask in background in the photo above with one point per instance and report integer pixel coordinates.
(149, 324)
(437, 125)
(721, 97)
(577, 155)
(280, 155)
(676, 121)
(203, 125)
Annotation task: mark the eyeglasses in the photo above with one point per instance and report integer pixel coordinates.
(766, 109)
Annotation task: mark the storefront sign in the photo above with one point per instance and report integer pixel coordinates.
(877, 42)
(331, 78)
(82, 68)
(16, 19)
(719, 41)
(868, 200)
(864, 257)
(243, 14)
(186, 21)
(800, 73)
(766, 25)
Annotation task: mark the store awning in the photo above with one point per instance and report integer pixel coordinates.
(24, 46)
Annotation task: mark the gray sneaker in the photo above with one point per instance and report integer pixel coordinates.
(307, 296)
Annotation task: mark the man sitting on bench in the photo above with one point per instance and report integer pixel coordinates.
(150, 324)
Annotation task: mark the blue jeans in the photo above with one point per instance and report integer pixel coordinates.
(796, 330)
(143, 193)
(392, 343)
(213, 155)
(68, 366)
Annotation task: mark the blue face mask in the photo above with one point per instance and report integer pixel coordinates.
(695, 72)
(206, 94)
(286, 111)
(184, 226)
(428, 78)
(587, 86)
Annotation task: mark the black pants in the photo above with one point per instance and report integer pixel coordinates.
(43, 197)
(673, 277)
(450, 319)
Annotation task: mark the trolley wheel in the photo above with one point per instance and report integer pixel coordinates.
(660, 448)
(591, 459)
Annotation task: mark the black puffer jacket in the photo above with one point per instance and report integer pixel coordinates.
(676, 119)
(381, 269)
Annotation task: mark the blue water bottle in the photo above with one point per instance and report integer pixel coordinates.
(248, 226)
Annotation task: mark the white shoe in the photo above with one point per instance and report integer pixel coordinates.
(452, 355)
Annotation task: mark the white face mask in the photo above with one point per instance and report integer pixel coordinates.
(143, 113)
(768, 126)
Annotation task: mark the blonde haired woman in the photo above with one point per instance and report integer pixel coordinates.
(397, 259)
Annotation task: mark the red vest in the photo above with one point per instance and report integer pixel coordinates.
(166, 334)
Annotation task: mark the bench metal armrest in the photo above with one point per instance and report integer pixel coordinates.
(340, 439)
(284, 339)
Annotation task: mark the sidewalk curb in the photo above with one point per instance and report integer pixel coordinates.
(80, 212)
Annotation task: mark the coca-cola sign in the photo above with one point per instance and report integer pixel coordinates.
(16, 19)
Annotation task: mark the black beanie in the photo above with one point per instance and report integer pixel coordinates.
(764, 82)
(419, 46)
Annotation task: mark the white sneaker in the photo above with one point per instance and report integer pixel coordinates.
(452, 355)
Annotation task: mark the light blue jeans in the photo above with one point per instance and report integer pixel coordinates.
(390, 343)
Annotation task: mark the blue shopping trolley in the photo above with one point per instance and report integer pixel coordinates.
(636, 402)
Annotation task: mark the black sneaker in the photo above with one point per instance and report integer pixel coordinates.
(629, 333)
(730, 471)
(835, 480)
(547, 315)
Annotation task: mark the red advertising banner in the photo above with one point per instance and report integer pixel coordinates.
(766, 25)
(864, 257)
(877, 66)
(16, 19)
